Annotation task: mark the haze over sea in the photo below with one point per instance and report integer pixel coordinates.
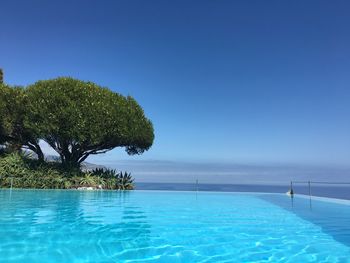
(178, 176)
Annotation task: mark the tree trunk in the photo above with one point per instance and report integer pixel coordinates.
(69, 161)
(35, 147)
(40, 154)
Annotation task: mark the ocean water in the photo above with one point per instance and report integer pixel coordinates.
(333, 191)
(170, 226)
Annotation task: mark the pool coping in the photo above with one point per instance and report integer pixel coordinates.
(325, 199)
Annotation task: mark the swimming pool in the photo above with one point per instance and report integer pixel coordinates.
(155, 226)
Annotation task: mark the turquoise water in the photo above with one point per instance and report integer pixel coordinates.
(155, 226)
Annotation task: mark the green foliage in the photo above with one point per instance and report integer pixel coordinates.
(28, 174)
(13, 112)
(1, 76)
(78, 118)
(13, 165)
(121, 180)
(126, 182)
(105, 173)
(7, 123)
(74, 117)
(25, 172)
(88, 180)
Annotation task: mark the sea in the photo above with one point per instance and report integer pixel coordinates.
(332, 191)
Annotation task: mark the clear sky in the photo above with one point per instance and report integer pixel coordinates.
(222, 81)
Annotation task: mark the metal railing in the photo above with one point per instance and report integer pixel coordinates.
(309, 183)
(314, 182)
(319, 182)
(11, 182)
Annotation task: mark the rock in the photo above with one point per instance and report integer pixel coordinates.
(86, 188)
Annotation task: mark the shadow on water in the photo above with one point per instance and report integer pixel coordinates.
(333, 218)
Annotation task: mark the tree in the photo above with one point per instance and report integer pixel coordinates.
(1, 76)
(4, 120)
(13, 111)
(78, 118)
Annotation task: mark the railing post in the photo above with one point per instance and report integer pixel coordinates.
(11, 188)
(309, 183)
(291, 193)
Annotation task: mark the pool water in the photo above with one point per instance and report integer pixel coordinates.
(155, 226)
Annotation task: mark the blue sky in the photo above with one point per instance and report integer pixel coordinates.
(262, 82)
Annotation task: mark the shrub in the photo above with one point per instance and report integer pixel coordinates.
(25, 172)
(122, 181)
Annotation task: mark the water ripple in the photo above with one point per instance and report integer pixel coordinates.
(101, 227)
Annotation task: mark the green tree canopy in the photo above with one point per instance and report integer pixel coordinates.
(13, 111)
(1, 76)
(78, 118)
(5, 119)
